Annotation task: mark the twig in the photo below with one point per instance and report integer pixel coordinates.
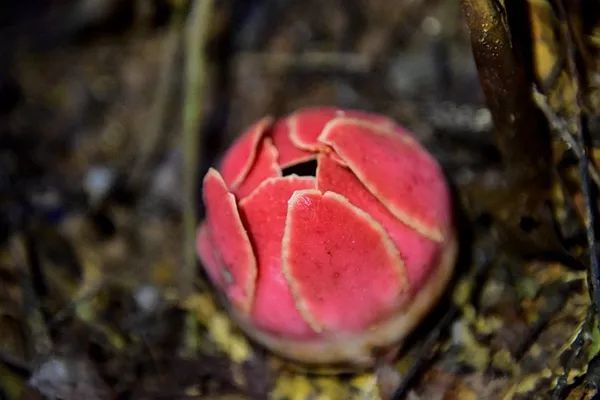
(38, 337)
(556, 300)
(196, 32)
(582, 138)
(576, 347)
(16, 365)
(561, 127)
(426, 352)
(499, 40)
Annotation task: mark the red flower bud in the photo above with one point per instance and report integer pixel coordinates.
(328, 268)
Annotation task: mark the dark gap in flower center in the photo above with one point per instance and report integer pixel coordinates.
(307, 168)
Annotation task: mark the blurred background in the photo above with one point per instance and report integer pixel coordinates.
(111, 112)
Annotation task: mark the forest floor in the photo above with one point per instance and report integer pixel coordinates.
(92, 219)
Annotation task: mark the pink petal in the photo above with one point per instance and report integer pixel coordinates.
(208, 255)
(306, 125)
(419, 253)
(344, 270)
(394, 168)
(264, 213)
(231, 240)
(239, 158)
(265, 166)
(289, 154)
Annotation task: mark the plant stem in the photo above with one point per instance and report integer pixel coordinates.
(196, 33)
